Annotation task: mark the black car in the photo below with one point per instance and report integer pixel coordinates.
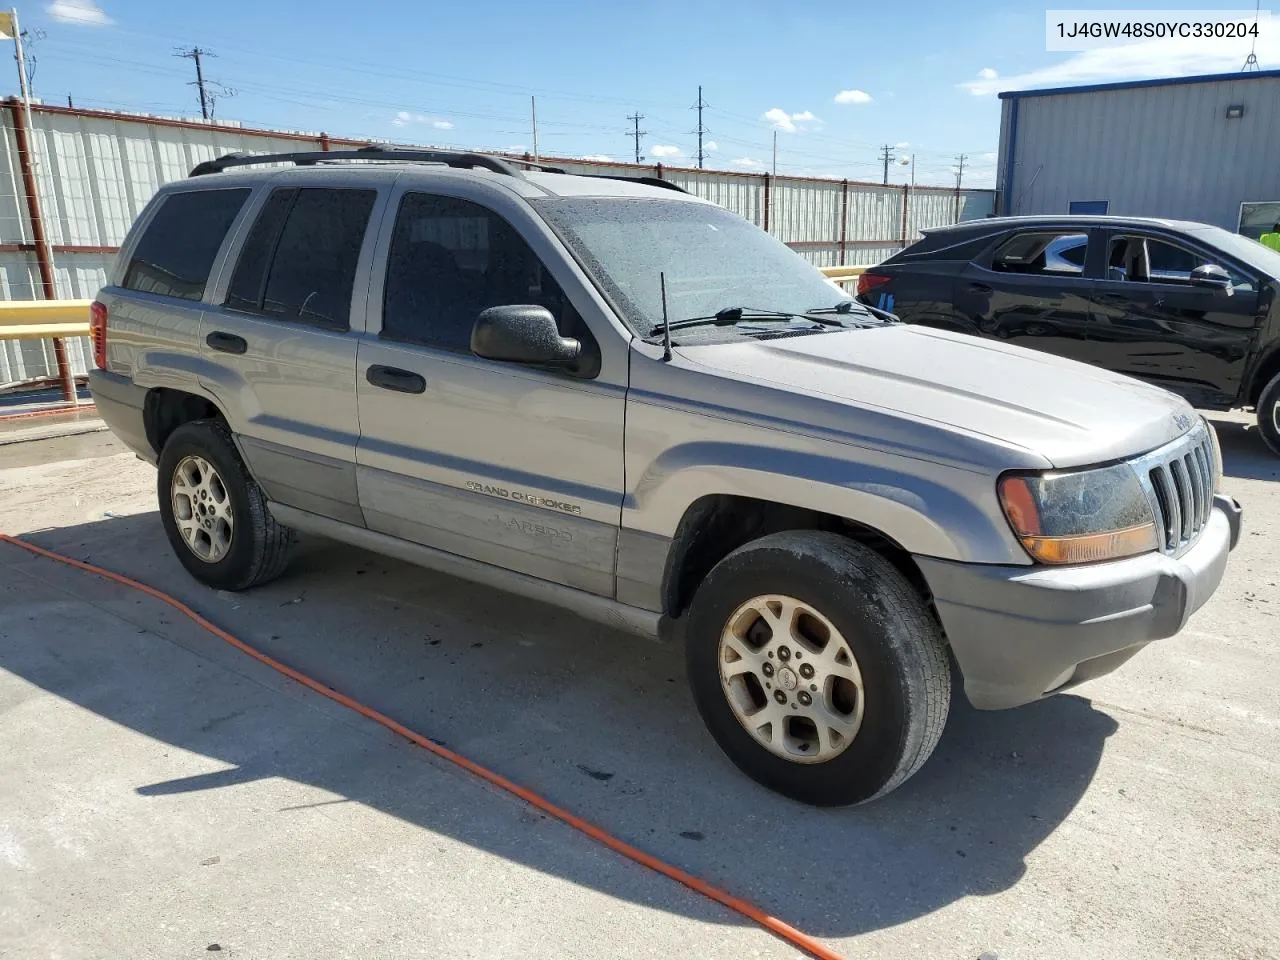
(1187, 306)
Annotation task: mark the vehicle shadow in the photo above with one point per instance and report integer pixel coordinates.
(594, 720)
(1244, 454)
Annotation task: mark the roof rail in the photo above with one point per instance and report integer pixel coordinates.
(648, 181)
(450, 158)
(508, 166)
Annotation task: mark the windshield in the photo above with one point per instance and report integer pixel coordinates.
(712, 259)
(1250, 251)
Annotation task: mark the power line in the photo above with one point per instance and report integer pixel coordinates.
(637, 133)
(702, 129)
(886, 152)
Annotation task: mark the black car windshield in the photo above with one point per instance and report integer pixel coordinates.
(1243, 248)
(712, 259)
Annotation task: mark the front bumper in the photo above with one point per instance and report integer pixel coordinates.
(1019, 633)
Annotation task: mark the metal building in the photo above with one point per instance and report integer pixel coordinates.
(1196, 148)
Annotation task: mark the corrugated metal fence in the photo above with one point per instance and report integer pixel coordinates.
(94, 171)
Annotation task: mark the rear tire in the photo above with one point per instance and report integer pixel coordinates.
(834, 637)
(213, 511)
(1269, 414)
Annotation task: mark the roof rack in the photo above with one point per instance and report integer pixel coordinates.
(648, 181)
(460, 160)
(374, 151)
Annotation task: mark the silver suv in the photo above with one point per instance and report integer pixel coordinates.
(612, 396)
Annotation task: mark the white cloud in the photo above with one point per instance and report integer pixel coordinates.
(901, 145)
(86, 13)
(791, 122)
(853, 96)
(664, 150)
(599, 157)
(746, 162)
(710, 145)
(1135, 61)
(404, 118)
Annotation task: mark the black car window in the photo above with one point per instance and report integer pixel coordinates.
(1148, 260)
(299, 261)
(452, 258)
(1041, 252)
(175, 254)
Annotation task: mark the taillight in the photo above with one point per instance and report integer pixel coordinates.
(869, 281)
(98, 331)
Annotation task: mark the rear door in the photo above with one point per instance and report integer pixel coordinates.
(280, 348)
(511, 465)
(1031, 288)
(1151, 321)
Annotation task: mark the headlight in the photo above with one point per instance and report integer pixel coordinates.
(1217, 455)
(1079, 516)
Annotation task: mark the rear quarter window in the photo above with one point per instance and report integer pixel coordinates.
(176, 252)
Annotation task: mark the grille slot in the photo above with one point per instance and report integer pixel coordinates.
(1180, 478)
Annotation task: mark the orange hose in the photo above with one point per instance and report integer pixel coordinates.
(753, 913)
(52, 412)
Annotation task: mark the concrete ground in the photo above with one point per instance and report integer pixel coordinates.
(162, 795)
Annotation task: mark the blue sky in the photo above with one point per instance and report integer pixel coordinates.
(835, 80)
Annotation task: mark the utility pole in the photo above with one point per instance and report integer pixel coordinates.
(886, 152)
(195, 53)
(533, 112)
(775, 153)
(637, 133)
(959, 179)
(701, 129)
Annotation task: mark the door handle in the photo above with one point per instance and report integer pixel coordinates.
(393, 378)
(226, 342)
(979, 288)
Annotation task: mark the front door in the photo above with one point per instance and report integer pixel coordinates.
(515, 466)
(280, 350)
(1031, 291)
(1150, 321)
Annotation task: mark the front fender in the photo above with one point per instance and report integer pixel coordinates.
(926, 508)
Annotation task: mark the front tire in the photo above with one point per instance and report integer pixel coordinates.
(213, 511)
(817, 667)
(1269, 414)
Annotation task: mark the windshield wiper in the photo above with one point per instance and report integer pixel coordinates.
(730, 316)
(846, 307)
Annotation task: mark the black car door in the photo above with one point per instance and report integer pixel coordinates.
(1151, 320)
(1030, 288)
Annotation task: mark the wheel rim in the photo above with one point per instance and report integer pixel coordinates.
(1275, 417)
(791, 679)
(202, 509)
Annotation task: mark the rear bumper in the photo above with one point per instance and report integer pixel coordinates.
(1019, 633)
(121, 404)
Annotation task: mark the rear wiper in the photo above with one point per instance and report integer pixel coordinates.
(730, 316)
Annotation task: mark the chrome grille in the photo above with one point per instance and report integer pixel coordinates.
(1178, 479)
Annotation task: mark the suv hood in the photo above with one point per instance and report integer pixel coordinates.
(1069, 413)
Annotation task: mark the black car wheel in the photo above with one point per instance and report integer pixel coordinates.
(1269, 414)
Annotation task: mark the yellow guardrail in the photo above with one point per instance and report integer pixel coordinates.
(843, 274)
(34, 319)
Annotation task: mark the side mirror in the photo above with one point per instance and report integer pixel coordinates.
(522, 333)
(1211, 275)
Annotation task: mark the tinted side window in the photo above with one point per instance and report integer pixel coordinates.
(307, 241)
(449, 260)
(250, 277)
(176, 253)
(1051, 253)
